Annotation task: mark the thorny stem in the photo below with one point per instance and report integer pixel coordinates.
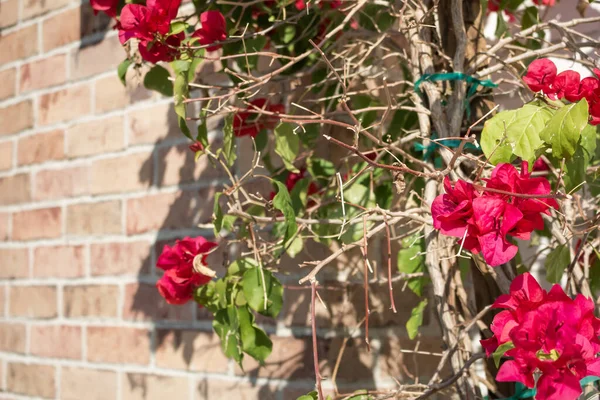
(366, 281)
(313, 321)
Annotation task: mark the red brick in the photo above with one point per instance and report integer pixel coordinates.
(118, 345)
(3, 291)
(153, 124)
(59, 262)
(77, 383)
(12, 338)
(111, 95)
(44, 223)
(16, 117)
(90, 301)
(5, 219)
(43, 73)
(56, 341)
(15, 263)
(94, 218)
(99, 136)
(33, 8)
(19, 44)
(143, 302)
(97, 58)
(61, 183)
(213, 389)
(57, 33)
(190, 350)
(10, 13)
(6, 155)
(134, 173)
(33, 301)
(8, 77)
(31, 379)
(154, 387)
(65, 104)
(169, 211)
(15, 189)
(41, 147)
(176, 165)
(132, 258)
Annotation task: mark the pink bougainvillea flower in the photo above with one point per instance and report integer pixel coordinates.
(196, 147)
(588, 89)
(595, 113)
(552, 335)
(540, 75)
(150, 24)
(250, 122)
(548, 3)
(540, 165)
(181, 264)
(213, 29)
(566, 85)
(484, 219)
(109, 7)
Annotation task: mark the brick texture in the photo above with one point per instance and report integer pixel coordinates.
(31, 379)
(6, 155)
(41, 147)
(96, 137)
(10, 13)
(8, 77)
(44, 223)
(56, 341)
(83, 301)
(12, 338)
(94, 218)
(44, 73)
(91, 384)
(154, 387)
(15, 263)
(59, 261)
(15, 189)
(118, 345)
(64, 104)
(120, 258)
(19, 44)
(33, 302)
(135, 172)
(16, 117)
(60, 183)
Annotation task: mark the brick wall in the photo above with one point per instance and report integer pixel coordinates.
(94, 179)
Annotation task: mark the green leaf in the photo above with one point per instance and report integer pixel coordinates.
(515, 133)
(530, 17)
(255, 341)
(283, 202)
(229, 141)
(253, 45)
(320, 169)
(575, 169)
(180, 93)
(501, 26)
(202, 135)
(289, 33)
(157, 79)
(217, 215)
(240, 266)
(261, 140)
(563, 131)
(122, 70)
(310, 396)
(287, 145)
(503, 348)
(416, 319)
(410, 262)
(556, 262)
(255, 291)
(226, 325)
(177, 27)
(589, 138)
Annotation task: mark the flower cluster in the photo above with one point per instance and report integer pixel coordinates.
(542, 76)
(484, 218)
(185, 269)
(551, 334)
(150, 24)
(250, 122)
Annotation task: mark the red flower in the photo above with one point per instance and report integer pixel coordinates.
(566, 85)
(485, 219)
(150, 24)
(540, 75)
(551, 334)
(250, 122)
(540, 165)
(213, 29)
(301, 4)
(548, 3)
(181, 263)
(109, 7)
(291, 181)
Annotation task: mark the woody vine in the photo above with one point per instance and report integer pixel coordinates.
(375, 121)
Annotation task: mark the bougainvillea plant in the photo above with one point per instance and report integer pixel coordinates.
(374, 124)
